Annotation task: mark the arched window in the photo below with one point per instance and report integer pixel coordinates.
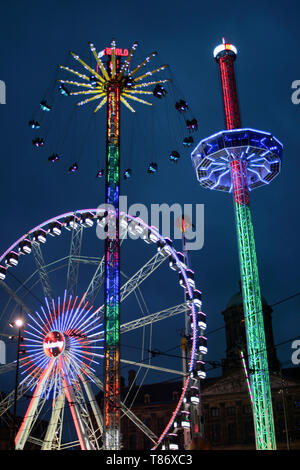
(146, 398)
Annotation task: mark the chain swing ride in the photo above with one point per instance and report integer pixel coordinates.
(65, 338)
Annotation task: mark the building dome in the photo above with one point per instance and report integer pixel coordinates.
(237, 299)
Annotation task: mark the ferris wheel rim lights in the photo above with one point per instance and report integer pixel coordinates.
(187, 275)
(155, 238)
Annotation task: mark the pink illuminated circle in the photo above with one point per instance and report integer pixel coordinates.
(53, 344)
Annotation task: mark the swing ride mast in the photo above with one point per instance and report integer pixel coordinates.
(113, 84)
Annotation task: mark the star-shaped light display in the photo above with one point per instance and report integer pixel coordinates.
(66, 333)
(100, 79)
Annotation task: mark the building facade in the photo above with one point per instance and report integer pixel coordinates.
(226, 404)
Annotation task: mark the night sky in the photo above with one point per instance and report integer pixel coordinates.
(36, 36)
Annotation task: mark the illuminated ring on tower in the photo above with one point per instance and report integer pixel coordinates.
(86, 218)
(260, 151)
(223, 49)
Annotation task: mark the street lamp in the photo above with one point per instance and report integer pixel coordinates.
(18, 323)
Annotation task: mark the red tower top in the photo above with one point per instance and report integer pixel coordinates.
(225, 55)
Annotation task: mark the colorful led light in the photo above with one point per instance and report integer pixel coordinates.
(230, 151)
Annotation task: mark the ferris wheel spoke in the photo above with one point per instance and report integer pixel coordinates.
(98, 277)
(15, 297)
(42, 271)
(80, 415)
(73, 264)
(35, 440)
(93, 433)
(154, 317)
(151, 366)
(141, 275)
(139, 423)
(7, 367)
(96, 282)
(23, 387)
(94, 405)
(128, 412)
(33, 408)
(54, 430)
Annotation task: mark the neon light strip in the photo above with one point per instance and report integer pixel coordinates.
(67, 385)
(247, 377)
(29, 413)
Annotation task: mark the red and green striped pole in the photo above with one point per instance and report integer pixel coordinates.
(254, 322)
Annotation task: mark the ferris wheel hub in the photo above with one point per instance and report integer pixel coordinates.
(54, 344)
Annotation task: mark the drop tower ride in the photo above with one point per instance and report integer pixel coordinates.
(238, 160)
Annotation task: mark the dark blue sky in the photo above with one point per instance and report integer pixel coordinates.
(35, 36)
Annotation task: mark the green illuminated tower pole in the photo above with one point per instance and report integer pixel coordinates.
(254, 322)
(238, 160)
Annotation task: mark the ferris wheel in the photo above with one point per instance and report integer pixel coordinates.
(63, 339)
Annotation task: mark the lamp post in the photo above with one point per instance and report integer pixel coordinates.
(18, 323)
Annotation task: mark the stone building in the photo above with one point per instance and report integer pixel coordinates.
(226, 406)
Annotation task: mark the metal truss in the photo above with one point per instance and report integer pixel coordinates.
(133, 283)
(73, 265)
(13, 295)
(42, 271)
(154, 317)
(257, 352)
(151, 366)
(89, 435)
(7, 367)
(152, 436)
(53, 436)
(96, 282)
(23, 387)
(37, 402)
(80, 397)
(129, 413)
(142, 274)
(95, 408)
